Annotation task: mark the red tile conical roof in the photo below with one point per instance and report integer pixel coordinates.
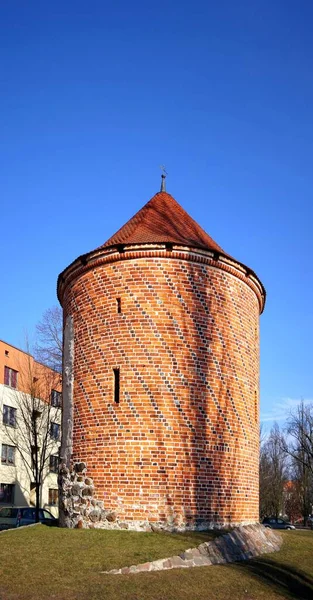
(162, 219)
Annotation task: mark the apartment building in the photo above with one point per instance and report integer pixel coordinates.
(30, 429)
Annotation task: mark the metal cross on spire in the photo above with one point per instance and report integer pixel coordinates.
(163, 177)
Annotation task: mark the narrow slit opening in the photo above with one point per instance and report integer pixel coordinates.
(118, 305)
(116, 373)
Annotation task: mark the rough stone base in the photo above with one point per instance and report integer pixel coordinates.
(240, 544)
(80, 509)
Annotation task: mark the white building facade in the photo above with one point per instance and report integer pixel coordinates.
(30, 430)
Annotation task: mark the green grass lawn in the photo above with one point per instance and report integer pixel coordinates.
(39, 563)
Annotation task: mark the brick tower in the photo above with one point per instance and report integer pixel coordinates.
(161, 374)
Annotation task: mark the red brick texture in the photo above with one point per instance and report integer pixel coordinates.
(182, 445)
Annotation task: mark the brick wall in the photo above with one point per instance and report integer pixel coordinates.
(181, 446)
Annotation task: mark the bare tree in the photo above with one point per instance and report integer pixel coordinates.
(300, 432)
(292, 498)
(265, 483)
(303, 486)
(34, 426)
(273, 474)
(48, 348)
(298, 445)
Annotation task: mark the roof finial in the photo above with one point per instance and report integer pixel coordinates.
(163, 177)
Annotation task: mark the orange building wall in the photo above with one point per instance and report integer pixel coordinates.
(28, 369)
(181, 447)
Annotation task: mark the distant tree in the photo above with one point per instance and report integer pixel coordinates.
(34, 427)
(265, 483)
(292, 499)
(298, 445)
(48, 348)
(273, 474)
(300, 431)
(302, 493)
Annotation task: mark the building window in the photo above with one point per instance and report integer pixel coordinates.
(9, 415)
(7, 454)
(116, 373)
(119, 305)
(56, 398)
(53, 497)
(6, 493)
(54, 464)
(10, 377)
(55, 431)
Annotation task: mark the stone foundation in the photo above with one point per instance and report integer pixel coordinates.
(79, 508)
(240, 544)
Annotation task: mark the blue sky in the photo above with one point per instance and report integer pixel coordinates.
(95, 96)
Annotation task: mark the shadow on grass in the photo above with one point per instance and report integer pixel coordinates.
(281, 578)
